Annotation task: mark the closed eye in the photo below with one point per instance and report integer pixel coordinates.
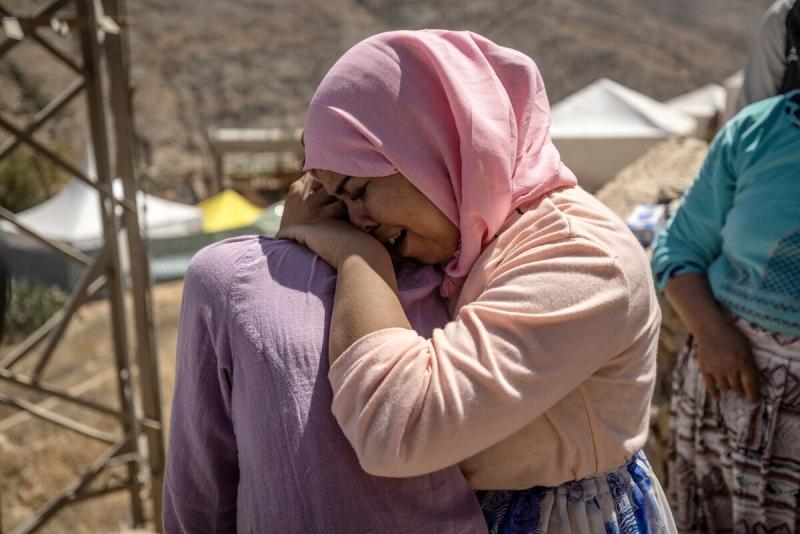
(360, 192)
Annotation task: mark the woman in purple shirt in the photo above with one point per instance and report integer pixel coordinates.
(253, 445)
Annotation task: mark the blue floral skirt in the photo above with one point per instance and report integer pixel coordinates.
(626, 501)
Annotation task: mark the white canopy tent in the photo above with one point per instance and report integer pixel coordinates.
(706, 105)
(732, 85)
(606, 126)
(73, 216)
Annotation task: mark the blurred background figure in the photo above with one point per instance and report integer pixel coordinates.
(772, 65)
(729, 263)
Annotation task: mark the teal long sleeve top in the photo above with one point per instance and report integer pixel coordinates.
(739, 222)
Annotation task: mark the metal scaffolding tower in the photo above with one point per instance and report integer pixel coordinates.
(102, 75)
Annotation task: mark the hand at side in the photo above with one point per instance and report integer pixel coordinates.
(724, 354)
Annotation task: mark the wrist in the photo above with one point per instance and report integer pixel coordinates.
(712, 328)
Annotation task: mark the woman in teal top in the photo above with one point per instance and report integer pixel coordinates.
(729, 263)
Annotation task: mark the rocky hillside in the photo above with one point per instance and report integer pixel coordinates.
(202, 63)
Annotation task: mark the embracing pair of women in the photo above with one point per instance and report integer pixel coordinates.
(436, 144)
(433, 147)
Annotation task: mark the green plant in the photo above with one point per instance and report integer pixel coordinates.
(32, 303)
(32, 95)
(26, 179)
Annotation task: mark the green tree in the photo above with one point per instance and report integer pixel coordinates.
(27, 179)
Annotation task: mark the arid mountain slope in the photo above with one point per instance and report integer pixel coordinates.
(203, 63)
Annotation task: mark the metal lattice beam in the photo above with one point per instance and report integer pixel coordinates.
(43, 14)
(121, 101)
(77, 487)
(103, 78)
(56, 105)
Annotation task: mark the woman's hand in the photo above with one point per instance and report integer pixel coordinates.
(726, 362)
(723, 353)
(366, 288)
(307, 201)
(336, 241)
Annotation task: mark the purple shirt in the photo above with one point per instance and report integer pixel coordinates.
(253, 445)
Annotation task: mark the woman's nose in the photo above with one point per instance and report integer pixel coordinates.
(359, 217)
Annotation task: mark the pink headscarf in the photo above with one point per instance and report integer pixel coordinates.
(464, 120)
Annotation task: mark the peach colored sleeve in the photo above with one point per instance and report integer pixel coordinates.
(549, 317)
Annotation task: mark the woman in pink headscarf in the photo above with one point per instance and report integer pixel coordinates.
(437, 145)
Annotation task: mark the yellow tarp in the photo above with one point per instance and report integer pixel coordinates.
(227, 210)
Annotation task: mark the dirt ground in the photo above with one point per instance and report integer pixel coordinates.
(39, 458)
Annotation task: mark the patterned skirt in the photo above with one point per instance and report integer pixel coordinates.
(626, 501)
(735, 467)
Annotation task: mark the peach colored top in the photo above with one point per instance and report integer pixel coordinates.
(545, 375)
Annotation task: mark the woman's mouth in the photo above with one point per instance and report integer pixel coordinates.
(397, 239)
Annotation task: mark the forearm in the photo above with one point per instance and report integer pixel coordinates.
(366, 301)
(723, 353)
(691, 297)
(411, 405)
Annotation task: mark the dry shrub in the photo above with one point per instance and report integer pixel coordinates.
(27, 179)
(32, 303)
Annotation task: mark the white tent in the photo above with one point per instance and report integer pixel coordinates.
(706, 105)
(73, 216)
(606, 126)
(732, 85)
